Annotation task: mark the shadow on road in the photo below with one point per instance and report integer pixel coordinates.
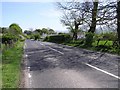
(44, 58)
(48, 59)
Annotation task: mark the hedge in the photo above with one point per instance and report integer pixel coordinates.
(58, 38)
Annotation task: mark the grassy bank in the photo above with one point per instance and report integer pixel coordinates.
(101, 47)
(11, 59)
(0, 69)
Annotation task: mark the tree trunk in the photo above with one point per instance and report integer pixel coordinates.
(94, 15)
(118, 21)
(74, 36)
(76, 30)
(89, 38)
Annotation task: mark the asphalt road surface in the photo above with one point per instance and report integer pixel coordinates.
(50, 65)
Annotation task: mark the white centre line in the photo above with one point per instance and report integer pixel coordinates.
(90, 65)
(56, 50)
(102, 71)
(53, 49)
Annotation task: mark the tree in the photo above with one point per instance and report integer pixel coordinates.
(118, 20)
(72, 17)
(91, 15)
(27, 32)
(103, 16)
(36, 36)
(4, 30)
(39, 31)
(15, 29)
(45, 31)
(0, 30)
(94, 16)
(89, 36)
(51, 31)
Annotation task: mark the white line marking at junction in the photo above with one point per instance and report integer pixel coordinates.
(102, 71)
(24, 45)
(56, 50)
(26, 55)
(30, 82)
(41, 44)
(29, 75)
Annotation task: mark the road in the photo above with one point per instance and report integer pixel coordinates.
(50, 65)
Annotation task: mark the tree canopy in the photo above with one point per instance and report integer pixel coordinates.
(15, 28)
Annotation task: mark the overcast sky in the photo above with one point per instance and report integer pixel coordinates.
(32, 15)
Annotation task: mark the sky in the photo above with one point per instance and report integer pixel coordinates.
(35, 15)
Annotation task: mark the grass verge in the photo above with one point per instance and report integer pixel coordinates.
(0, 70)
(101, 47)
(11, 60)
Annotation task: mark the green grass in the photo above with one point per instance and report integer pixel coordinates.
(109, 43)
(101, 47)
(11, 60)
(0, 70)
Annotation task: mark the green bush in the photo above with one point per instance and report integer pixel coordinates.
(32, 37)
(46, 38)
(6, 38)
(58, 38)
(22, 40)
(36, 36)
(110, 36)
(89, 39)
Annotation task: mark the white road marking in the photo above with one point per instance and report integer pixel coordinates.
(56, 50)
(30, 81)
(102, 71)
(88, 64)
(41, 44)
(25, 45)
(26, 55)
(29, 75)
